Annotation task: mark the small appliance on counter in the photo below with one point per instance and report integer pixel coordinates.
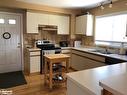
(63, 43)
(77, 43)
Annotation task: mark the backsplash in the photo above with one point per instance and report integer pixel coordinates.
(88, 40)
(29, 39)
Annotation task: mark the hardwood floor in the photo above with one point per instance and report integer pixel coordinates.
(35, 86)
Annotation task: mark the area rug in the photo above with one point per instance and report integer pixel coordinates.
(12, 79)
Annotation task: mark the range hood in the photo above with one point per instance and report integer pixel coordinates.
(47, 27)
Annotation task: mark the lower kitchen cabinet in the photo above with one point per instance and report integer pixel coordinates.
(82, 60)
(34, 61)
(32, 64)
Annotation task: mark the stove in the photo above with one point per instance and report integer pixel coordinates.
(46, 48)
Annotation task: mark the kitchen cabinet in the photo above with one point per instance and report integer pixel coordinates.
(84, 25)
(34, 19)
(53, 20)
(81, 60)
(32, 23)
(42, 19)
(32, 61)
(63, 25)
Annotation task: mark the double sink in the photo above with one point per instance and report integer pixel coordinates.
(101, 51)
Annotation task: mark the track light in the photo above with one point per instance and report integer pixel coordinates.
(103, 3)
(110, 5)
(102, 7)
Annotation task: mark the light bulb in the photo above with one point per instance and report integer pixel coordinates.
(102, 7)
(110, 5)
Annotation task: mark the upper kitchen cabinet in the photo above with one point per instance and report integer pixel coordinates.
(42, 19)
(53, 20)
(32, 23)
(63, 25)
(34, 19)
(84, 25)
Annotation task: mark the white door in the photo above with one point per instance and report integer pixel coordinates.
(10, 41)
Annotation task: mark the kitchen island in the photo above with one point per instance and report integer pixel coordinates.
(86, 82)
(116, 85)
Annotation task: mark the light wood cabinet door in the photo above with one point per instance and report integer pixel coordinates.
(34, 64)
(84, 25)
(43, 19)
(82, 63)
(63, 25)
(53, 20)
(32, 23)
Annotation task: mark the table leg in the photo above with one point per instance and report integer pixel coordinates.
(67, 65)
(50, 75)
(45, 71)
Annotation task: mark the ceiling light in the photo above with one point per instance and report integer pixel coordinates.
(102, 7)
(110, 5)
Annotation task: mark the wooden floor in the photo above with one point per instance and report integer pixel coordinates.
(35, 86)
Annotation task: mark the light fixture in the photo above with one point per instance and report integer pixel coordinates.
(103, 3)
(110, 5)
(102, 7)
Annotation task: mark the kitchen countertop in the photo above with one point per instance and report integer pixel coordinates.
(117, 85)
(66, 48)
(33, 49)
(89, 79)
(89, 50)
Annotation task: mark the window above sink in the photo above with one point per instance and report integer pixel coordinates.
(111, 29)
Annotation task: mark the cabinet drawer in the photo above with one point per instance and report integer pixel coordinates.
(34, 53)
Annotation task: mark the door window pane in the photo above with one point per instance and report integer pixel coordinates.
(12, 21)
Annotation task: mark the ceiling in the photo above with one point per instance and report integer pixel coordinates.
(69, 3)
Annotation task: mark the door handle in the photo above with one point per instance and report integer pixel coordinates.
(19, 45)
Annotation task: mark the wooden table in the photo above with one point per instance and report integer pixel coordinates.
(51, 59)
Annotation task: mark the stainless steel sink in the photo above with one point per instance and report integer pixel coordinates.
(102, 51)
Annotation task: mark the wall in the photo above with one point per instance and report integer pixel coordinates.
(118, 6)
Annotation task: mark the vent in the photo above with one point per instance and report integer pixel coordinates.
(47, 27)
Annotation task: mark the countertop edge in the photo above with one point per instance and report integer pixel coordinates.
(81, 86)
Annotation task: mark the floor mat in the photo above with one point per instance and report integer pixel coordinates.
(12, 79)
